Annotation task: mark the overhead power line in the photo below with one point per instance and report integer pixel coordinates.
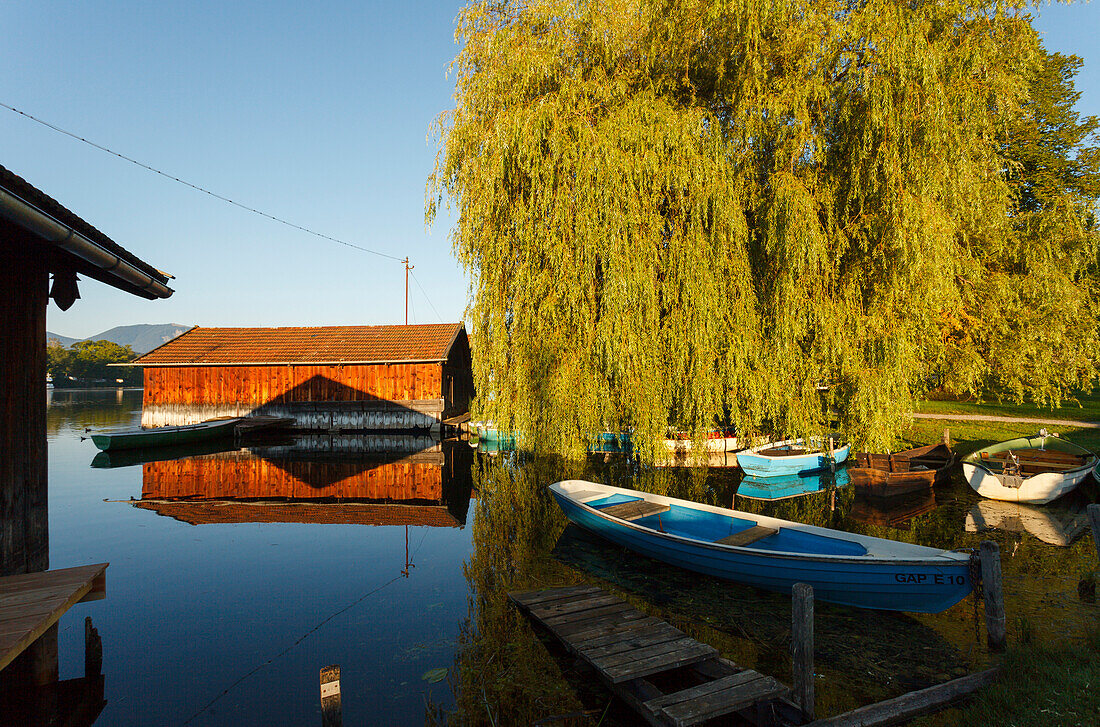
(196, 187)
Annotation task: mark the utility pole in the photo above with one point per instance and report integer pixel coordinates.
(407, 269)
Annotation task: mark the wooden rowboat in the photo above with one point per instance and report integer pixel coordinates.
(900, 473)
(845, 568)
(220, 428)
(789, 457)
(1032, 470)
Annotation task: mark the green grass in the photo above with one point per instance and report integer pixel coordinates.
(1039, 686)
(1086, 408)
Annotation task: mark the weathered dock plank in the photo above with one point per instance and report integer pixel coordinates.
(33, 602)
(626, 647)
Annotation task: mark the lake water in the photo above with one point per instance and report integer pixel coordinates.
(236, 575)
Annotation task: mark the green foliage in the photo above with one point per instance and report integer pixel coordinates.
(1030, 330)
(87, 362)
(696, 213)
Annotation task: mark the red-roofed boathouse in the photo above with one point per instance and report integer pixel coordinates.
(349, 378)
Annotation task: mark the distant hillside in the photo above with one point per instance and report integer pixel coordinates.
(142, 337)
(63, 340)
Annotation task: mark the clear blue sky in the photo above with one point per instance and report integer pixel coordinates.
(315, 112)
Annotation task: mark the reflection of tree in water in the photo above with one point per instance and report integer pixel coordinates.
(509, 672)
(95, 408)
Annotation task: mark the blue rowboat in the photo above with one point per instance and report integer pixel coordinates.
(790, 457)
(845, 568)
(780, 488)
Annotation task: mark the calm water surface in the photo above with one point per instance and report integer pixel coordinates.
(236, 575)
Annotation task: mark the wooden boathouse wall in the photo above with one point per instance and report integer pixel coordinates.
(373, 396)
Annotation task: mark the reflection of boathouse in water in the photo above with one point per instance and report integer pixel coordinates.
(361, 378)
(319, 479)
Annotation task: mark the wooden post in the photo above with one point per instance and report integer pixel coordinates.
(331, 713)
(802, 647)
(24, 519)
(993, 595)
(1094, 520)
(93, 650)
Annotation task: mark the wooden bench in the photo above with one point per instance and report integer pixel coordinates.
(634, 510)
(749, 536)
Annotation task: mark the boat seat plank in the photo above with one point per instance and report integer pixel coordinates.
(780, 452)
(1034, 455)
(634, 510)
(749, 536)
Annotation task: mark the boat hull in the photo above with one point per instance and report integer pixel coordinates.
(1036, 489)
(929, 583)
(761, 465)
(164, 436)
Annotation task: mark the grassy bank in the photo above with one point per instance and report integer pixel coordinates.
(1041, 684)
(1085, 408)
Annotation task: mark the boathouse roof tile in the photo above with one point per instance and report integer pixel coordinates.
(306, 346)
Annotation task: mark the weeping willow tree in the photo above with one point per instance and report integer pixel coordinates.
(680, 214)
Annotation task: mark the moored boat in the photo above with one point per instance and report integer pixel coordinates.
(789, 457)
(719, 440)
(1032, 470)
(900, 473)
(165, 436)
(845, 568)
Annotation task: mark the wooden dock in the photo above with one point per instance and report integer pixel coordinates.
(33, 602)
(665, 675)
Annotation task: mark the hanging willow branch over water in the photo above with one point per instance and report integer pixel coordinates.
(680, 214)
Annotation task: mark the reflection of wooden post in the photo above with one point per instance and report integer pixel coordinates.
(802, 647)
(331, 714)
(992, 594)
(1094, 520)
(93, 650)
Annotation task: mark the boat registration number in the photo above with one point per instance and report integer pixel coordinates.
(937, 578)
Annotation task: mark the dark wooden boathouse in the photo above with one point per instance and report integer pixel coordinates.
(348, 378)
(39, 240)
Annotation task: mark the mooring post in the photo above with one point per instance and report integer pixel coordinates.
(331, 713)
(992, 594)
(802, 647)
(1094, 521)
(93, 650)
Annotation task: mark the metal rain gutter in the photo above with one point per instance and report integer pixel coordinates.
(27, 215)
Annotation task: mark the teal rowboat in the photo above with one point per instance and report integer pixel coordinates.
(165, 436)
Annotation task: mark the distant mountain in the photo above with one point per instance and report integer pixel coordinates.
(143, 337)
